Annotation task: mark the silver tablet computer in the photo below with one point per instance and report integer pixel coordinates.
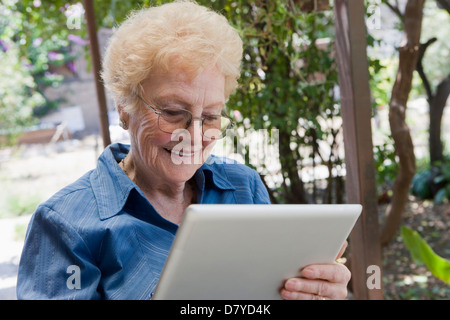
(246, 252)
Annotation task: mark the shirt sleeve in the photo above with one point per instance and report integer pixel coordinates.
(55, 263)
(260, 193)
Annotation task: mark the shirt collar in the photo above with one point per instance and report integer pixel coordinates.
(112, 186)
(212, 173)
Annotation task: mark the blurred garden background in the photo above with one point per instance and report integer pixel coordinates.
(50, 132)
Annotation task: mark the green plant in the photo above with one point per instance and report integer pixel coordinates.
(422, 253)
(433, 183)
(443, 179)
(421, 185)
(29, 59)
(45, 46)
(288, 79)
(387, 169)
(18, 95)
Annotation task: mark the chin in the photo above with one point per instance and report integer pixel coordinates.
(182, 166)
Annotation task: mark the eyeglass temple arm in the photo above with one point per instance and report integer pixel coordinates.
(231, 120)
(151, 108)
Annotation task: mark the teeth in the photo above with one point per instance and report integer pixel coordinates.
(181, 153)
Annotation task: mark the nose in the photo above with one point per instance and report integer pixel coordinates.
(196, 131)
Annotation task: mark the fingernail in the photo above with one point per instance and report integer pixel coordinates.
(291, 284)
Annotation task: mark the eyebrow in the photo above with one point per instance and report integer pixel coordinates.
(173, 98)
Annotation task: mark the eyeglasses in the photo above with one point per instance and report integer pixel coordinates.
(171, 119)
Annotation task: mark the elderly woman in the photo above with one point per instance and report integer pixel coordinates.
(171, 70)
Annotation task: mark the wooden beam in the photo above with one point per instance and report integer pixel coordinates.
(308, 6)
(97, 65)
(353, 73)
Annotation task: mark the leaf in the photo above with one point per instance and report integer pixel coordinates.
(440, 196)
(439, 179)
(420, 185)
(421, 252)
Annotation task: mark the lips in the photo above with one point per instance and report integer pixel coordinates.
(181, 152)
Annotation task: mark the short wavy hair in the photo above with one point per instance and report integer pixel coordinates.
(193, 36)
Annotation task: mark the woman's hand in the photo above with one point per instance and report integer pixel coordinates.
(319, 282)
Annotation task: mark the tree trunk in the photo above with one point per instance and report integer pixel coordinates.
(408, 55)
(437, 105)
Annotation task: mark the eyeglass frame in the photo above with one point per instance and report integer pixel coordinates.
(158, 112)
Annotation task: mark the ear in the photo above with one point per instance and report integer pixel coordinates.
(124, 117)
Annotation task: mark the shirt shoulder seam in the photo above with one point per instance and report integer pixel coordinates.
(67, 223)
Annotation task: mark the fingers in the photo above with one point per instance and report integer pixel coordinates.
(296, 295)
(336, 272)
(307, 289)
(319, 282)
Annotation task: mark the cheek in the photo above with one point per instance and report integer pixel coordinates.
(207, 147)
(147, 137)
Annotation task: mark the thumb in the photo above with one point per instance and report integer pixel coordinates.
(341, 252)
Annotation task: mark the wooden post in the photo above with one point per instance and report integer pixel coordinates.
(313, 5)
(96, 64)
(351, 54)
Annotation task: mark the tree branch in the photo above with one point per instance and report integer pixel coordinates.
(395, 9)
(444, 4)
(404, 146)
(422, 48)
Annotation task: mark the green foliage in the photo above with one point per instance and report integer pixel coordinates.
(17, 87)
(433, 183)
(287, 82)
(387, 168)
(422, 253)
(443, 180)
(382, 74)
(43, 37)
(32, 47)
(18, 96)
(421, 185)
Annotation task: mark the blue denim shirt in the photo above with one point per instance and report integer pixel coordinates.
(100, 238)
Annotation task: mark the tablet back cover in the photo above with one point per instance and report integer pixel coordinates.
(234, 252)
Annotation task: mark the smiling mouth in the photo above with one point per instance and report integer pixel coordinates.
(181, 153)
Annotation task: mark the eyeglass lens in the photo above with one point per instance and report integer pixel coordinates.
(214, 126)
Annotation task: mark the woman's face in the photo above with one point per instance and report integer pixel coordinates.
(175, 157)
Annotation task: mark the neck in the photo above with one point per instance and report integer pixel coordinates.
(152, 183)
(170, 199)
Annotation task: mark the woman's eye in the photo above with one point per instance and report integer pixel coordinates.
(175, 115)
(173, 112)
(211, 117)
